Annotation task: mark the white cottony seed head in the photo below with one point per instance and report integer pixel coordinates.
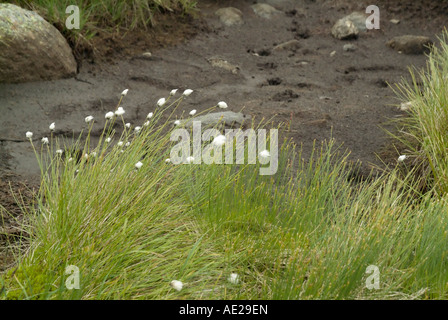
(119, 143)
(128, 125)
(52, 126)
(109, 115)
(265, 154)
(193, 112)
(59, 151)
(219, 140)
(45, 140)
(29, 134)
(233, 278)
(177, 122)
(190, 159)
(402, 158)
(108, 139)
(161, 102)
(173, 92)
(176, 284)
(138, 165)
(127, 144)
(88, 119)
(146, 124)
(137, 129)
(187, 92)
(120, 111)
(222, 105)
(168, 160)
(125, 92)
(149, 116)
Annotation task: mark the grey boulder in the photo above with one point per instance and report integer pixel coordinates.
(31, 49)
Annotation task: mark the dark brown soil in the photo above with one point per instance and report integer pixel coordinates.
(345, 96)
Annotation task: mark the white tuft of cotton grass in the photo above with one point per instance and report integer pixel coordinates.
(109, 115)
(233, 278)
(120, 111)
(222, 105)
(176, 284)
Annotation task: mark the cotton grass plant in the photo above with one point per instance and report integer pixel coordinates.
(424, 130)
(88, 212)
(140, 227)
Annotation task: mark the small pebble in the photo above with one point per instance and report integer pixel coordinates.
(349, 47)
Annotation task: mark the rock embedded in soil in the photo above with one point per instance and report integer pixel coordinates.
(344, 29)
(264, 10)
(223, 64)
(31, 49)
(358, 19)
(349, 26)
(410, 44)
(349, 47)
(230, 16)
(228, 118)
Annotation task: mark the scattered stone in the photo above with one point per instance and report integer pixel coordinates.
(332, 53)
(349, 26)
(344, 29)
(395, 21)
(223, 64)
(31, 49)
(349, 47)
(227, 118)
(288, 45)
(264, 10)
(147, 55)
(324, 98)
(410, 44)
(230, 16)
(358, 19)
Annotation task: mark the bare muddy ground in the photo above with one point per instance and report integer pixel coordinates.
(344, 96)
